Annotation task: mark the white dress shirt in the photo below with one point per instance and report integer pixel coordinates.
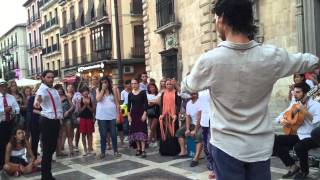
(11, 100)
(124, 96)
(47, 104)
(304, 131)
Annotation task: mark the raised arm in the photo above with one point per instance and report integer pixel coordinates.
(296, 63)
(99, 94)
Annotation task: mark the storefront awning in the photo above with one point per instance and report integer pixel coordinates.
(69, 79)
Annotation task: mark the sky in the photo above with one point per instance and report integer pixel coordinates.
(11, 13)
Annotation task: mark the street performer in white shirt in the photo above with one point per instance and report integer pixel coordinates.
(300, 140)
(8, 109)
(51, 113)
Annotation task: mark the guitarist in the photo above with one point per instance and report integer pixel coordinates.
(301, 142)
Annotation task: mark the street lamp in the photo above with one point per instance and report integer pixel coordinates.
(6, 58)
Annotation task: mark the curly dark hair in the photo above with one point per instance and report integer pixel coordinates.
(303, 86)
(237, 14)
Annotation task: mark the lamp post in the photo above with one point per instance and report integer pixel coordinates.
(119, 60)
(5, 64)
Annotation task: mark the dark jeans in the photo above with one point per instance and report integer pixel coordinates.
(49, 133)
(229, 168)
(104, 126)
(35, 136)
(284, 143)
(5, 134)
(206, 139)
(126, 126)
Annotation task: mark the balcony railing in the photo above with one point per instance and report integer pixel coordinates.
(137, 52)
(83, 60)
(63, 30)
(34, 44)
(48, 24)
(75, 61)
(33, 18)
(50, 49)
(55, 47)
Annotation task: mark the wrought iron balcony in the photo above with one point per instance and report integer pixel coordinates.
(137, 52)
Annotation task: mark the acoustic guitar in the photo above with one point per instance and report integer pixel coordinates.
(294, 116)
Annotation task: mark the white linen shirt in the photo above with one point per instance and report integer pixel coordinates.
(205, 101)
(47, 104)
(304, 131)
(11, 100)
(240, 78)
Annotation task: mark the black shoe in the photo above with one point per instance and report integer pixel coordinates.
(194, 163)
(138, 152)
(143, 154)
(301, 176)
(291, 173)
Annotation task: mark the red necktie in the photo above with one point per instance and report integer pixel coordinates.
(54, 105)
(5, 104)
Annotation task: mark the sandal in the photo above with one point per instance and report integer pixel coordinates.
(117, 154)
(139, 152)
(183, 156)
(143, 154)
(194, 163)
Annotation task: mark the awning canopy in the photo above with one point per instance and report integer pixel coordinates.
(27, 82)
(69, 79)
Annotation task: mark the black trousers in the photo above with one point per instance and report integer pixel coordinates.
(34, 128)
(6, 128)
(49, 129)
(284, 143)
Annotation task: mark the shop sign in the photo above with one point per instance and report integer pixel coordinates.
(96, 66)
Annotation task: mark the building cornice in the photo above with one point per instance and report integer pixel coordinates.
(23, 25)
(26, 4)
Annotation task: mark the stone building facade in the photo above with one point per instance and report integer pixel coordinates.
(50, 36)
(88, 37)
(13, 53)
(34, 38)
(187, 30)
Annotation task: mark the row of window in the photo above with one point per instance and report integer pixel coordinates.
(9, 42)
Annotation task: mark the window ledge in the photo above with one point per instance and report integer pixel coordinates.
(168, 27)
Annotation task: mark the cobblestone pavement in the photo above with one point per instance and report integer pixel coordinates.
(129, 166)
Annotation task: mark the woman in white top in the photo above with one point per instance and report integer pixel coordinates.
(153, 111)
(16, 162)
(107, 113)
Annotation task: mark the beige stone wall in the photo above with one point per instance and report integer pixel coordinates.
(127, 21)
(195, 36)
(279, 28)
(153, 41)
